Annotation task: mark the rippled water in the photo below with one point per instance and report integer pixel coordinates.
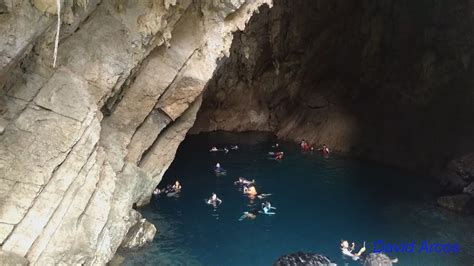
(319, 200)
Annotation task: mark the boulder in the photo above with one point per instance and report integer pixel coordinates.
(139, 234)
(459, 174)
(379, 259)
(469, 189)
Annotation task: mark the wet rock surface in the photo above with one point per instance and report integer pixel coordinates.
(378, 259)
(461, 203)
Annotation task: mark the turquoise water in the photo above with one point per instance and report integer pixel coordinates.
(320, 201)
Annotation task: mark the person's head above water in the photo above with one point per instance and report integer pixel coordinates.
(344, 244)
(218, 165)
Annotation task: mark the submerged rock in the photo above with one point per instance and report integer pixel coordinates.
(303, 258)
(459, 203)
(379, 259)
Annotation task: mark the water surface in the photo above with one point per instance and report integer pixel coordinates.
(320, 201)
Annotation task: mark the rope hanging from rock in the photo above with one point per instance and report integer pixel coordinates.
(56, 42)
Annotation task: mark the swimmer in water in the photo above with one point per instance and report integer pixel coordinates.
(252, 214)
(219, 170)
(348, 251)
(276, 146)
(213, 149)
(226, 150)
(267, 207)
(279, 155)
(263, 196)
(176, 187)
(302, 144)
(250, 191)
(244, 182)
(324, 149)
(235, 147)
(214, 200)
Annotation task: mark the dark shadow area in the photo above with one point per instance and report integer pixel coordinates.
(390, 81)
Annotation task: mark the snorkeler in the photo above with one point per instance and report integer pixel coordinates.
(267, 207)
(214, 200)
(347, 251)
(213, 149)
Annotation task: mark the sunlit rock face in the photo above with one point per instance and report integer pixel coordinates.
(388, 80)
(82, 143)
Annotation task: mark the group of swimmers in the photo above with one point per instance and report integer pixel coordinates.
(170, 190)
(225, 149)
(278, 155)
(248, 188)
(306, 147)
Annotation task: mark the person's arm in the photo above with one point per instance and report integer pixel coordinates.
(361, 250)
(219, 200)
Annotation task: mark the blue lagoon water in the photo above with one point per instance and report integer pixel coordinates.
(320, 201)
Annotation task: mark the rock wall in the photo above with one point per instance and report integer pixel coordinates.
(82, 143)
(391, 81)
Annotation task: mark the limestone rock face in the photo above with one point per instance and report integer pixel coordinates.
(83, 143)
(8, 258)
(386, 80)
(139, 234)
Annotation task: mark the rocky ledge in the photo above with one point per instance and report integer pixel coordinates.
(305, 258)
(458, 183)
